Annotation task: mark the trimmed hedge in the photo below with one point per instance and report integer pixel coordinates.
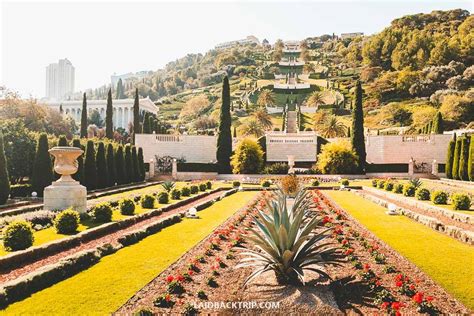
(266, 183)
(18, 236)
(147, 201)
(163, 198)
(127, 206)
(197, 167)
(202, 187)
(194, 189)
(185, 191)
(422, 194)
(314, 183)
(461, 201)
(439, 197)
(67, 222)
(175, 194)
(102, 213)
(235, 184)
(388, 186)
(398, 188)
(345, 182)
(20, 190)
(409, 189)
(387, 167)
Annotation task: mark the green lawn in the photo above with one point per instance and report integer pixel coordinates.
(107, 285)
(449, 262)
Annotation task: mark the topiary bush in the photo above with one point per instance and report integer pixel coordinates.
(194, 189)
(202, 187)
(175, 194)
(17, 236)
(163, 198)
(266, 183)
(461, 201)
(422, 194)
(67, 221)
(375, 182)
(409, 189)
(147, 201)
(381, 184)
(127, 206)
(236, 184)
(398, 188)
(439, 197)
(388, 186)
(185, 191)
(315, 183)
(209, 185)
(345, 182)
(102, 213)
(248, 157)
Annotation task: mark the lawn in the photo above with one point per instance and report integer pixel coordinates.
(107, 285)
(447, 261)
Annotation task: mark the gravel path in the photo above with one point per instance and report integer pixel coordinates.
(108, 239)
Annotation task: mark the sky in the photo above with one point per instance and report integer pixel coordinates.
(102, 38)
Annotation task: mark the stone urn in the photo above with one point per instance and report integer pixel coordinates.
(65, 192)
(291, 164)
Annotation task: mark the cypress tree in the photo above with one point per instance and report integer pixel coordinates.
(224, 137)
(79, 175)
(135, 165)
(450, 157)
(101, 162)
(151, 123)
(90, 169)
(438, 125)
(136, 115)
(464, 159)
(141, 164)
(146, 124)
(120, 165)
(357, 138)
(42, 168)
(4, 179)
(128, 164)
(470, 164)
(430, 127)
(119, 94)
(109, 120)
(84, 117)
(111, 175)
(63, 141)
(457, 154)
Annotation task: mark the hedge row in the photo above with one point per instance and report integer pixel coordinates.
(197, 167)
(388, 167)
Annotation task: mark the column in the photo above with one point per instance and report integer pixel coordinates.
(411, 167)
(434, 168)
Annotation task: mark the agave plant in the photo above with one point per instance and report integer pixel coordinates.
(416, 182)
(168, 185)
(286, 242)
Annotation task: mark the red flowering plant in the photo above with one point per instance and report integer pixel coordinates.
(214, 269)
(425, 304)
(188, 275)
(194, 266)
(164, 301)
(404, 285)
(174, 284)
(215, 244)
(392, 308)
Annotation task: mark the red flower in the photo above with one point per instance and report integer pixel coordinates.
(180, 278)
(399, 283)
(366, 267)
(429, 298)
(169, 279)
(344, 242)
(399, 277)
(218, 259)
(378, 283)
(167, 297)
(418, 297)
(349, 251)
(397, 305)
(385, 305)
(412, 287)
(190, 272)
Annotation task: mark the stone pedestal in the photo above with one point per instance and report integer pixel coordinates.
(411, 167)
(434, 168)
(174, 169)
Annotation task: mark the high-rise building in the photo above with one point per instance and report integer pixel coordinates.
(60, 80)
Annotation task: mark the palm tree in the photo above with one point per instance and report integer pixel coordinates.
(263, 118)
(315, 99)
(266, 98)
(252, 128)
(333, 128)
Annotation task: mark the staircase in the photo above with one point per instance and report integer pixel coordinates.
(291, 125)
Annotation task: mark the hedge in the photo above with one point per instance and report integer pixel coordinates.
(20, 190)
(388, 167)
(197, 167)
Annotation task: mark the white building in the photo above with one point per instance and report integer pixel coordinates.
(248, 40)
(60, 80)
(137, 75)
(123, 109)
(351, 35)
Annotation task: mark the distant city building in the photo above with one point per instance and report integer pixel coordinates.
(137, 75)
(60, 80)
(351, 35)
(248, 40)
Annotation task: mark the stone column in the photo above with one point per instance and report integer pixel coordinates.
(434, 168)
(151, 169)
(411, 167)
(174, 169)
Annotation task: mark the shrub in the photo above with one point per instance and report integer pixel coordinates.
(127, 207)
(168, 185)
(439, 197)
(345, 182)
(102, 213)
(20, 190)
(209, 185)
(409, 189)
(461, 201)
(374, 183)
(337, 158)
(185, 191)
(175, 194)
(398, 188)
(276, 168)
(147, 201)
(388, 186)
(42, 167)
(422, 194)
(248, 157)
(266, 183)
(202, 187)
(17, 236)
(194, 189)
(4, 179)
(381, 184)
(67, 221)
(314, 183)
(235, 184)
(163, 197)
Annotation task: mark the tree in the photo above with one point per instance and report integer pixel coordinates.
(42, 168)
(263, 118)
(4, 178)
(136, 115)
(337, 158)
(119, 94)
(135, 165)
(95, 119)
(315, 99)
(120, 165)
(438, 124)
(109, 117)
(252, 128)
(224, 137)
(333, 127)
(90, 169)
(470, 164)
(128, 164)
(146, 124)
(248, 157)
(357, 139)
(101, 162)
(141, 164)
(63, 141)
(450, 158)
(79, 175)
(111, 168)
(84, 117)
(266, 98)
(464, 159)
(457, 155)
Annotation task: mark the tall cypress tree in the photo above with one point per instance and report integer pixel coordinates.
(101, 162)
(224, 137)
(357, 138)
(79, 175)
(438, 124)
(146, 124)
(4, 179)
(109, 119)
(135, 165)
(111, 175)
(463, 159)
(84, 117)
(120, 165)
(90, 169)
(141, 164)
(457, 154)
(128, 164)
(63, 141)
(42, 168)
(450, 158)
(470, 164)
(119, 94)
(136, 115)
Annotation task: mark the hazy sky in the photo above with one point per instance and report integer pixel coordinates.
(116, 36)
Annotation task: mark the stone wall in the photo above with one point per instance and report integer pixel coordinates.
(302, 145)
